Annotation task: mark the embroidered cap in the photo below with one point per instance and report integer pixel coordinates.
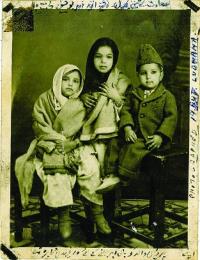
(146, 55)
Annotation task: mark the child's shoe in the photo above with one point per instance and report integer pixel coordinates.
(64, 223)
(109, 183)
(99, 220)
(102, 224)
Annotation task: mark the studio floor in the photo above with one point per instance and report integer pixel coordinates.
(31, 231)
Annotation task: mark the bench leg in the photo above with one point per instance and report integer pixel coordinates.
(44, 223)
(157, 202)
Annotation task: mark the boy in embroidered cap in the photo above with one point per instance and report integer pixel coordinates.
(149, 115)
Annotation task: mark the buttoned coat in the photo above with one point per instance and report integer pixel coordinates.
(156, 114)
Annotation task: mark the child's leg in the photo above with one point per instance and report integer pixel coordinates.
(100, 148)
(89, 179)
(109, 164)
(57, 193)
(64, 222)
(88, 175)
(57, 187)
(94, 213)
(111, 160)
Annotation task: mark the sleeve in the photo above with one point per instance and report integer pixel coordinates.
(126, 115)
(123, 84)
(43, 119)
(168, 126)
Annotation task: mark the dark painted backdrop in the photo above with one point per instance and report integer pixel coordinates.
(66, 37)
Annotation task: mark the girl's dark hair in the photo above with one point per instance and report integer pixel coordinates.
(94, 78)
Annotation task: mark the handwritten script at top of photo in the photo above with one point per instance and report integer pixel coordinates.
(102, 4)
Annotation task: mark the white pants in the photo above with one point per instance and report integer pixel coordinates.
(100, 149)
(58, 187)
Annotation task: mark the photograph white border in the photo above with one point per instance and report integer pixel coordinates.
(193, 194)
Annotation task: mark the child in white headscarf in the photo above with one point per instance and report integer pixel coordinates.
(60, 159)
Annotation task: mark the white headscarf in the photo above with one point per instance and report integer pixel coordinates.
(57, 83)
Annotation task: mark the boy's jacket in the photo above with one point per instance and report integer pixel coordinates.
(155, 114)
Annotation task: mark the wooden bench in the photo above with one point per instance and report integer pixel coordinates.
(159, 167)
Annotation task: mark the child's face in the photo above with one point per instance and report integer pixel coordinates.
(150, 75)
(70, 83)
(103, 59)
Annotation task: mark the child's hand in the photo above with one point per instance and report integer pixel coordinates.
(89, 100)
(111, 92)
(67, 146)
(60, 146)
(154, 142)
(130, 135)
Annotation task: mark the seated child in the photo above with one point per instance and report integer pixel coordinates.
(103, 96)
(149, 115)
(61, 159)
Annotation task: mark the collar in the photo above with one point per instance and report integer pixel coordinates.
(139, 93)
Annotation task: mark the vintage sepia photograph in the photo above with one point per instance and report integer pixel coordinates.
(100, 129)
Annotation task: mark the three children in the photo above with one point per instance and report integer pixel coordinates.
(146, 118)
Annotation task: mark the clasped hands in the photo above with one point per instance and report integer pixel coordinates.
(109, 91)
(153, 142)
(66, 146)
